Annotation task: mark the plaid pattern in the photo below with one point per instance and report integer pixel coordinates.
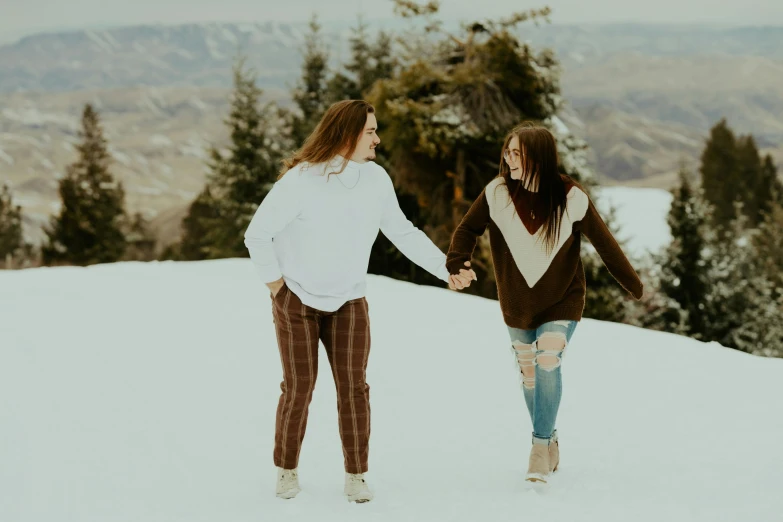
(345, 334)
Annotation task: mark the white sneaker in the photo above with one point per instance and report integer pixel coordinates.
(287, 483)
(356, 488)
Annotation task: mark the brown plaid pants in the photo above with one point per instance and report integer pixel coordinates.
(345, 334)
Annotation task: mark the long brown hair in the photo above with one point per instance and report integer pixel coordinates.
(337, 132)
(539, 165)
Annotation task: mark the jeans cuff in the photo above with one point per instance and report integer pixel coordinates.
(541, 440)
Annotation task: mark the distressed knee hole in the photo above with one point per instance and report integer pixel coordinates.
(550, 350)
(526, 359)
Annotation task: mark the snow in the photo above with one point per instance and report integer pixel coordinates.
(159, 140)
(228, 35)
(6, 157)
(148, 392)
(104, 40)
(121, 157)
(641, 217)
(196, 102)
(46, 163)
(31, 116)
(185, 54)
(194, 149)
(644, 137)
(213, 48)
(559, 126)
(146, 103)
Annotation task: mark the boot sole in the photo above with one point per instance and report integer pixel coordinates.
(288, 495)
(535, 477)
(359, 499)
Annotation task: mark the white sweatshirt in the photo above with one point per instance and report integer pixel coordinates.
(316, 231)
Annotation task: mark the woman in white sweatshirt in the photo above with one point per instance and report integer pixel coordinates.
(310, 242)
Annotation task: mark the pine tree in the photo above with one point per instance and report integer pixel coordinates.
(11, 240)
(768, 245)
(239, 178)
(89, 226)
(760, 329)
(769, 186)
(369, 63)
(748, 180)
(734, 280)
(683, 264)
(310, 94)
(451, 104)
(718, 173)
(194, 245)
(141, 239)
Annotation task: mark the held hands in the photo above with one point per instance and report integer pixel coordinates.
(275, 286)
(462, 280)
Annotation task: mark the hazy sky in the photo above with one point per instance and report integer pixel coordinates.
(19, 17)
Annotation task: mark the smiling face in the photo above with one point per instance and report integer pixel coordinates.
(513, 158)
(367, 141)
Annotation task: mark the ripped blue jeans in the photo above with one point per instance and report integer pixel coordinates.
(539, 355)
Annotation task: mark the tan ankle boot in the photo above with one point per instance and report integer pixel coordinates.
(538, 469)
(554, 453)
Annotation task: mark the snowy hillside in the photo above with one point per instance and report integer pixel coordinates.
(147, 392)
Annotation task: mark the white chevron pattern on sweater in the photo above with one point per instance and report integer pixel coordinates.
(528, 250)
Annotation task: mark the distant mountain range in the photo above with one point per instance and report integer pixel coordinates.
(201, 54)
(644, 97)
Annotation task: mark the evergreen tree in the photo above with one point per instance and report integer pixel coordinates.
(310, 94)
(11, 240)
(194, 245)
(89, 226)
(734, 280)
(768, 244)
(718, 173)
(369, 63)
(683, 274)
(239, 178)
(761, 331)
(748, 180)
(769, 186)
(141, 240)
(447, 109)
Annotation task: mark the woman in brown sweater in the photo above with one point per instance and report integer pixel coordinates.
(536, 218)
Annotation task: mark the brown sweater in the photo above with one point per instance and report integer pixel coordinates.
(535, 287)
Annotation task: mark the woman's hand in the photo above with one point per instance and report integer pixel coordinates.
(275, 286)
(462, 280)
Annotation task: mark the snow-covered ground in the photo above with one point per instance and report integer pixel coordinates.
(641, 216)
(147, 392)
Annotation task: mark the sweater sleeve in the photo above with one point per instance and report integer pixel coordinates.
(408, 239)
(279, 208)
(465, 237)
(598, 233)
